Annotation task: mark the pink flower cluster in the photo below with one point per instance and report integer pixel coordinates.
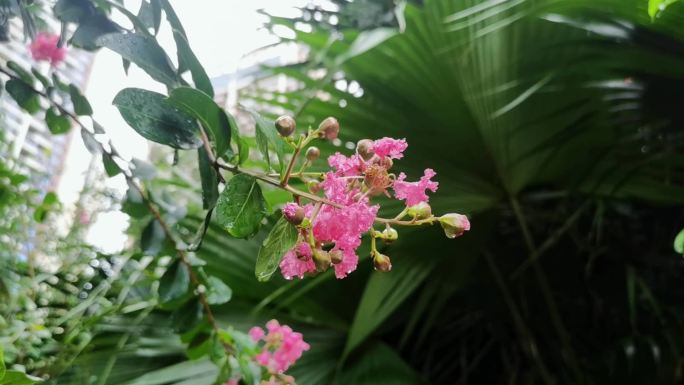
(46, 47)
(351, 184)
(282, 348)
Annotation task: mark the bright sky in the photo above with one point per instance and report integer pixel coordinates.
(220, 33)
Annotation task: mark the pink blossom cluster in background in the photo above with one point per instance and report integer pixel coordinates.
(282, 347)
(353, 181)
(45, 47)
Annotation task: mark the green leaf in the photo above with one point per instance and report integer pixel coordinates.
(73, 11)
(87, 33)
(81, 104)
(209, 179)
(13, 377)
(266, 135)
(42, 79)
(200, 346)
(174, 285)
(186, 317)
(150, 14)
(679, 242)
(2, 360)
(57, 124)
(21, 72)
(187, 59)
(201, 232)
(202, 107)
(134, 204)
(152, 238)
(172, 17)
(218, 292)
(656, 6)
(24, 95)
(240, 208)
(282, 238)
(91, 144)
(154, 118)
(241, 143)
(111, 168)
(145, 52)
(49, 203)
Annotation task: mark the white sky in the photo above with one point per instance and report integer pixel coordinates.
(220, 33)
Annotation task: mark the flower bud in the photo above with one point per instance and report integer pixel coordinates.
(336, 257)
(365, 149)
(285, 125)
(389, 235)
(454, 225)
(293, 213)
(321, 260)
(302, 253)
(420, 211)
(313, 186)
(312, 153)
(381, 262)
(329, 128)
(384, 162)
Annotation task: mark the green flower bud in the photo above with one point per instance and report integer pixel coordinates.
(312, 153)
(285, 125)
(329, 128)
(389, 235)
(336, 257)
(321, 260)
(313, 186)
(365, 148)
(454, 225)
(381, 262)
(420, 211)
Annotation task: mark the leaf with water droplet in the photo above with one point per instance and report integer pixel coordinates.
(282, 238)
(154, 118)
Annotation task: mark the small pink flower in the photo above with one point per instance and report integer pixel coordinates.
(256, 333)
(393, 148)
(346, 166)
(282, 348)
(414, 192)
(46, 47)
(297, 262)
(232, 381)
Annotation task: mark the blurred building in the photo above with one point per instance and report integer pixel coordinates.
(253, 78)
(27, 141)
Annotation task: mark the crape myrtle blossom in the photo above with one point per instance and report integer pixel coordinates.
(281, 348)
(413, 193)
(330, 229)
(45, 47)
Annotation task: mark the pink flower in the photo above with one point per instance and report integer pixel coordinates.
(348, 264)
(282, 349)
(256, 333)
(232, 381)
(290, 210)
(46, 47)
(414, 192)
(393, 148)
(346, 166)
(297, 262)
(344, 227)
